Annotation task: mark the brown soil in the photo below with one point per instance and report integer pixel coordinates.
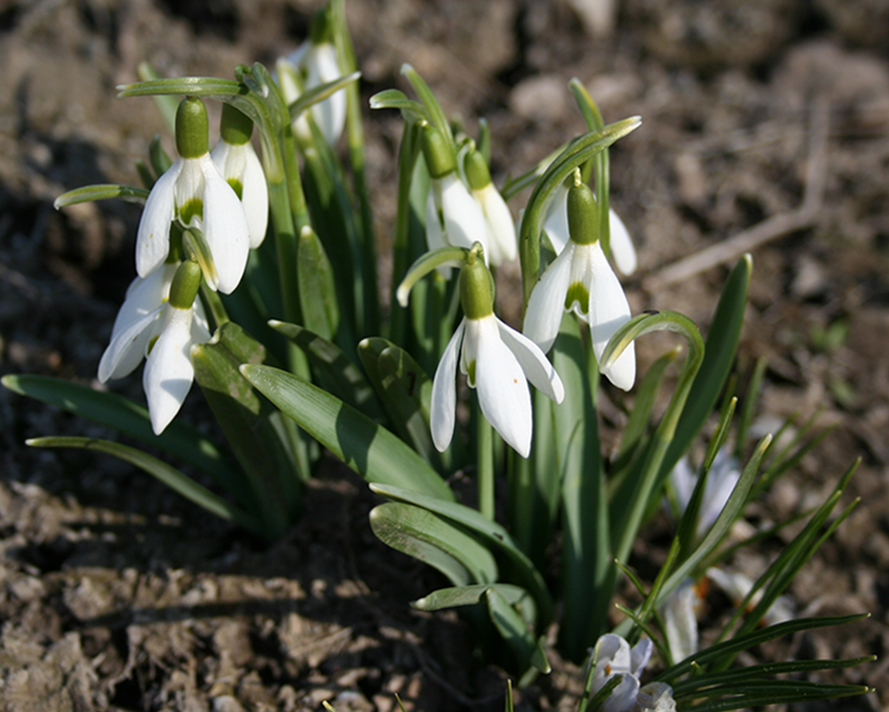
(115, 594)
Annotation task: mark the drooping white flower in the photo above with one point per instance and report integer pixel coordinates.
(612, 657)
(312, 64)
(238, 163)
(453, 217)
(581, 280)
(502, 245)
(497, 360)
(194, 192)
(555, 224)
(150, 326)
(721, 480)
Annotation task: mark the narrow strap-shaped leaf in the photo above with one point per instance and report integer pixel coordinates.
(425, 536)
(317, 292)
(170, 476)
(433, 108)
(490, 532)
(335, 371)
(514, 630)
(469, 595)
(368, 448)
(319, 93)
(122, 414)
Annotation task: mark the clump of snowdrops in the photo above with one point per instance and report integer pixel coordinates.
(256, 277)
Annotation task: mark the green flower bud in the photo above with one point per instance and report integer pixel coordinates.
(477, 172)
(235, 128)
(191, 128)
(186, 283)
(476, 286)
(583, 215)
(439, 159)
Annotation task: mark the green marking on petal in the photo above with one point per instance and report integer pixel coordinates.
(151, 344)
(470, 373)
(193, 208)
(577, 293)
(237, 186)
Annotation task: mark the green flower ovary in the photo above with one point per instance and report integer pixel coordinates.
(579, 294)
(193, 208)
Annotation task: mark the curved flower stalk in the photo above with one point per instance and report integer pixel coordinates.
(613, 657)
(195, 193)
(453, 217)
(312, 64)
(160, 319)
(238, 163)
(501, 233)
(555, 224)
(497, 360)
(581, 280)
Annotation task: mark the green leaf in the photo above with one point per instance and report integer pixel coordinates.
(412, 111)
(487, 531)
(433, 108)
(428, 538)
(102, 191)
(170, 476)
(166, 105)
(719, 355)
(317, 293)
(514, 631)
(122, 414)
(246, 420)
(368, 448)
(404, 389)
(469, 595)
(335, 372)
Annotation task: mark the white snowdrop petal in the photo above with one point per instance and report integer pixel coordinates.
(556, 221)
(543, 316)
(609, 310)
(153, 235)
(169, 373)
(127, 347)
(535, 364)
(255, 197)
(144, 295)
(443, 402)
(323, 67)
(464, 221)
(225, 229)
(621, 244)
(503, 392)
(502, 242)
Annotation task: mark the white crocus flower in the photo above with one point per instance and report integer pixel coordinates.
(238, 163)
(680, 614)
(555, 224)
(194, 192)
(149, 325)
(737, 586)
(721, 480)
(502, 245)
(497, 360)
(581, 280)
(612, 657)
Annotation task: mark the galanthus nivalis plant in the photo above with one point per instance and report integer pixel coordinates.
(257, 278)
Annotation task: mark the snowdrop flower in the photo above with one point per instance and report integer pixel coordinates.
(453, 217)
(581, 280)
(312, 64)
(501, 232)
(497, 360)
(194, 192)
(612, 657)
(160, 319)
(721, 480)
(555, 224)
(239, 165)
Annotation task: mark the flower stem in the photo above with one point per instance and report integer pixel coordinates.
(485, 460)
